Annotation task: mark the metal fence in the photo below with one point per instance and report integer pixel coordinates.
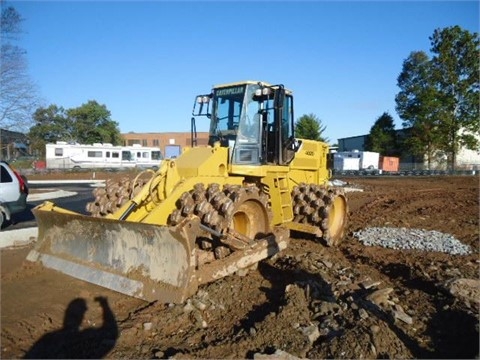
(414, 169)
(408, 166)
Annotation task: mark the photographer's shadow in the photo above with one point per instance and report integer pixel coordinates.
(72, 343)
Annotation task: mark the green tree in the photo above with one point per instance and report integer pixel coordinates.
(18, 94)
(456, 72)
(51, 125)
(439, 98)
(417, 102)
(383, 137)
(91, 123)
(87, 124)
(310, 127)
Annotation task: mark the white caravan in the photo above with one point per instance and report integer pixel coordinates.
(356, 160)
(63, 155)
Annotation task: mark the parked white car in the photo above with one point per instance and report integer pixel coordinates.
(13, 192)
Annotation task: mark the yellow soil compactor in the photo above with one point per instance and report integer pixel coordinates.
(211, 212)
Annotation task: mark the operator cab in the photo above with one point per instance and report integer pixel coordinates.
(254, 119)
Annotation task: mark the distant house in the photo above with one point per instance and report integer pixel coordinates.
(13, 144)
(466, 159)
(168, 142)
(352, 143)
(469, 159)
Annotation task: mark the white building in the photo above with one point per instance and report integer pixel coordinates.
(465, 159)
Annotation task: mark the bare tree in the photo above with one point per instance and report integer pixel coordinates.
(18, 94)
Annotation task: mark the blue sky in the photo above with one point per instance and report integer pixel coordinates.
(146, 61)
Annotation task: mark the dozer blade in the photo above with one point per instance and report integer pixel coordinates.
(145, 261)
(258, 250)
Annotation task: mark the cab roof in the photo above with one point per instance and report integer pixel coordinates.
(248, 82)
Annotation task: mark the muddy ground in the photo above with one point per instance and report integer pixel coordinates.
(309, 301)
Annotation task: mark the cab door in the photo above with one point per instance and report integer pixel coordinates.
(279, 140)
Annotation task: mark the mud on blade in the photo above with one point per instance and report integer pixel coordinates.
(146, 261)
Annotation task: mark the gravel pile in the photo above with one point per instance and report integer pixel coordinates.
(403, 238)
